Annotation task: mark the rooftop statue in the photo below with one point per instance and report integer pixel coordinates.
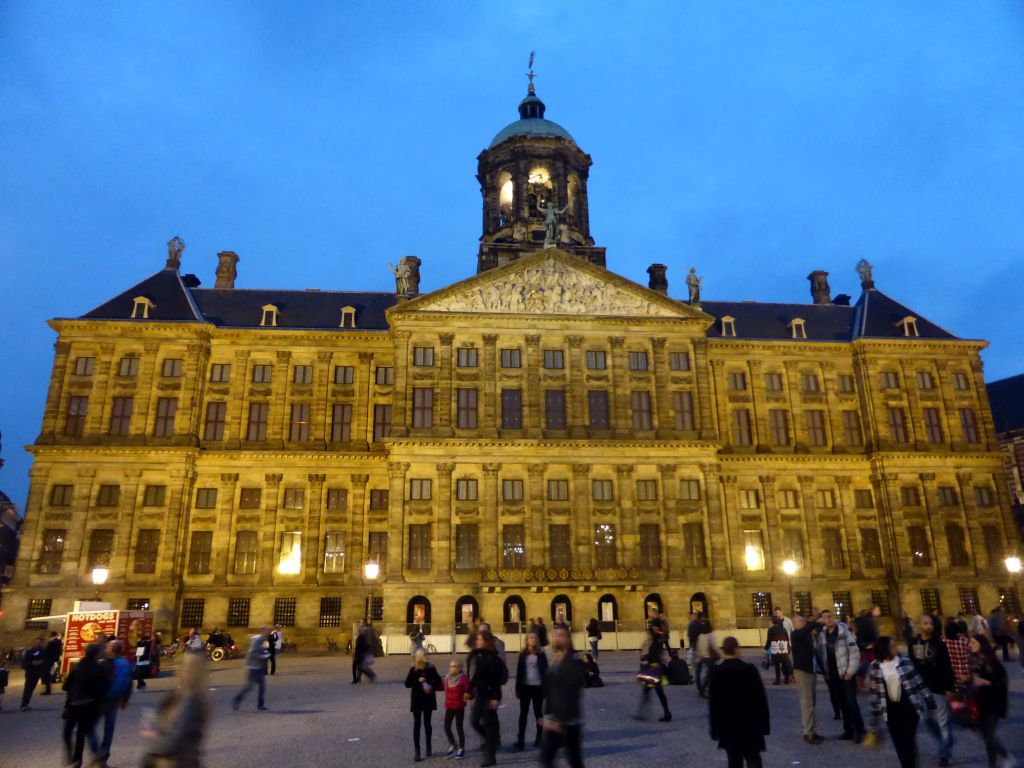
(694, 284)
(551, 214)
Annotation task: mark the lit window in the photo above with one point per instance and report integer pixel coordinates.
(290, 559)
(753, 550)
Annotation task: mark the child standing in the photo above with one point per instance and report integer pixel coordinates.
(457, 691)
(422, 682)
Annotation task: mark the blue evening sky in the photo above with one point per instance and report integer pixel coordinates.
(756, 141)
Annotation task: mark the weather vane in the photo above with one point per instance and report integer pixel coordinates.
(531, 74)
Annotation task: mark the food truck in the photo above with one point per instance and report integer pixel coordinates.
(84, 627)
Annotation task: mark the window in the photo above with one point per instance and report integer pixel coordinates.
(1008, 599)
(513, 546)
(910, 496)
(932, 425)
(816, 428)
(466, 489)
(679, 361)
(166, 409)
(750, 498)
(121, 415)
(284, 611)
(381, 422)
(419, 546)
(832, 540)
(337, 498)
(422, 407)
(466, 357)
(957, 545)
(262, 374)
(269, 316)
(638, 361)
(220, 373)
(880, 597)
(344, 374)
(851, 428)
(925, 380)
(802, 603)
(983, 496)
(467, 545)
(512, 409)
(762, 604)
(604, 546)
(246, 551)
(844, 383)
(108, 496)
(959, 381)
(689, 490)
(825, 498)
(37, 607)
(154, 496)
(298, 430)
(378, 499)
(238, 612)
(738, 381)
(84, 366)
(289, 560)
(602, 490)
(334, 553)
(423, 357)
(741, 427)
(52, 555)
(917, 538)
(650, 545)
(78, 406)
(870, 548)
(641, 410)
(793, 544)
(385, 376)
(597, 360)
(890, 380)
(512, 490)
(250, 498)
(811, 385)
(147, 548)
(302, 374)
(647, 490)
(554, 409)
(421, 489)
(863, 499)
(341, 422)
(558, 490)
(682, 403)
(897, 425)
(200, 551)
(753, 549)
(216, 418)
(947, 496)
(694, 555)
(294, 498)
(842, 604)
(773, 382)
(192, 609)
(137, 604)
(931, 602)
(330, 611)
(206, 498)
(993, 541)
(789, 499)
(597, 409)
(466, 400)
(560, 546)
(61, 496)
(969, 604)
(377, 547)
(171, 368)
(128, 367)
(554, 359)
(969, 426)
(510, 358)
(778, 426)
(259, 413)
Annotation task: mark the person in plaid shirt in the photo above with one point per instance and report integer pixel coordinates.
(899, 696)
(959, 651)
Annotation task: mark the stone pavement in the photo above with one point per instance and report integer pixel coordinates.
(317, 718)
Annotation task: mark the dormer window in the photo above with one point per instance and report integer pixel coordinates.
(728, 325)
(348, 317)
(798, 328)
(269, 317)
(909, 325)
(141, 307)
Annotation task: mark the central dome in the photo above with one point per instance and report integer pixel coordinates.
(531, 122)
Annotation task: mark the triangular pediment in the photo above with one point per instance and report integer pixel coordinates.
(551, 283)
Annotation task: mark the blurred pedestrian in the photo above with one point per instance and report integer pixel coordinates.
(542, 632)
(530, 672)
(707, 653)
(362, 654)
(274, 641)
(563, 703)
(693, 631)
(488, 676)
(256, 669)
(999, 628)
(86, 687)
(838, 658)
(175, 735)
(143, 658)
(422, 682)
(119, 689)
(594, 636)
(54, 649)
(899, 696)
(779, 647)
(457, 693)
(991, 692)
(930, 657)
(653, 672)
(195, 642)
(738, 708)
(34, 663)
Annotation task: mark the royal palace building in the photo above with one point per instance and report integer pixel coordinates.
(544, 438)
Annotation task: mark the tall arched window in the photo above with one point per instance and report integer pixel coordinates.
(561, 610)
(607, 612)
(466, 611)
(417, 614)
(514, 613)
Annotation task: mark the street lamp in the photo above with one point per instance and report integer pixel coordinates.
(789, 567)
(100, 574)
(371, 570)
(1013, 565)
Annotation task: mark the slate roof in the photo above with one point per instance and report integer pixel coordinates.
(878, 314)
(241, 308)
(1006, 397)
(165, 289)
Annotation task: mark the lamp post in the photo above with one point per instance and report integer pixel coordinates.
(1013, 566)
(371, 572)
(789, 567)
(99, 576)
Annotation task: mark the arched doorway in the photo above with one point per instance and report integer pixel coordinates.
(467, 610)
(561, 610)
(513, 613)
(417, 614)
(653, 606)
(699, 604)
(607, 612)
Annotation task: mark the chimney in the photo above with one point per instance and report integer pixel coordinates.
(820, 291)
(657, 281)
(226, 272)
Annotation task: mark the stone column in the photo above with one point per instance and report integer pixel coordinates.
(400, 398)
(313, 555)
(720, 403)
(772, 526)
(851, 526)
(31, 545)
(535, 544)
(320, 411)
(983, 409)
(662, 394)
(358, 530)
(237, 407)
(814, 565)
(145, 390)
(627, 516)
(936, 526)
(99, 407)
(222, 548)
(704, 414)
(491, 413)
(968, 519)
(55, 395)
(582, 513)
(444, 551)
(891, 520)
(533, 398)
(724, 534)
(672, 568)
(577, 416)
(277, 426)
(268, 542)
(621, 410)
(443, 425)
(489, 556)
(758, 404)
(396, 520)
(362, 414)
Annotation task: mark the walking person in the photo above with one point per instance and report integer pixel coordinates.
(457, 693)
(176, 733)
(931, 659)
(563, 703)
(802, 645)
(707, 653)
(899, 696)
(119, 689)
(256, 669)
(143, 658)
(488, 675)
(693, 631)
(839, 657)
(422, 682)
(54, 649)
(360, 649)
(999, 628)
(991, 692)
(86, 686)
(34, 664)
(653, 673)
(959, 649)
(779, 647)
(738, 708)
(594, 636)
(274, 647)
(530, 672)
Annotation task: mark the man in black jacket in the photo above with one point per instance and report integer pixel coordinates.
(802, 642)
(931, 658)
(34, 664)
(54, 648)
(488, 675)
(738, 708)
(563, 702)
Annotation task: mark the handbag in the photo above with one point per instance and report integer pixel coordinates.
(648, 675)
(964, 708)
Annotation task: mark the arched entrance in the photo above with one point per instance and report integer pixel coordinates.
(607, 612)
(561, 610)
(513, 613)
(653, 606)
(417, 614)
(466, 612)
(699, 604)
